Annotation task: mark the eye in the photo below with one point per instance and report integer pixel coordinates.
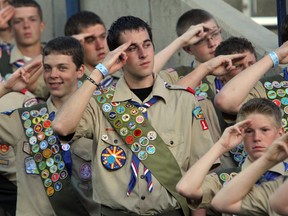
(131, 48)
(147, 44)
(62, 68)
(248, 131)
(47, 68)
(89, 40)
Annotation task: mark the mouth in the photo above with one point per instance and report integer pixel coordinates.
(101, 55)
(259, 148)
(27, 34)
(55, 85)
(145, 64)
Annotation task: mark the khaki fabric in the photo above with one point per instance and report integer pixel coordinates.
(172, 117)
(256, 202)
(32, 198)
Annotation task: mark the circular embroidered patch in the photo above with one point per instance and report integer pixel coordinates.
(113, 157)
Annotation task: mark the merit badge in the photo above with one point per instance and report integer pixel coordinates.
(30, 166)
(139, 119)
(204, 87)
(42, 165)
(129, 139)
(61, 165)
(137, 132)
(101, 99)
(284, 84)
(33, 140)
(25, 115)
(65, 147)
(36, 120)
(134, 111)
(53, 169)
(38, 157)
(29, 132)
(47, 123)
(34, 113)
(27, 123)
(45, 117)
(224, 177)
(109, 96)
(283, 122)
(38, 128)
(48, 131)
(118, 123)
(131, 125)
(40, 136)
(142, 155)
(58, 186)
(35, 148)
(113, 157)
(63, 174)
(197, 112)
(120, 109)
(268, 85)
(4, 148)
(277, 102)
(50, 191)
(281, 92)
(43, 110)
(271, 94)
(284, 101)
(106, 107)
(51, 140)
(128, 105)
(55, 177)
(47, 182)
(115, 103)
(152, 135)
(276, 84)
(150, 149)
(85, 171)
(57, 158)
(47, 153)
(55, 148)
(123, 131)
(143, 141)
(135, 147)
(112, 115)
(43, 144)
(50, 162)
(126, 117)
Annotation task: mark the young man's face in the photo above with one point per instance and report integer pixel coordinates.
(61, 75)
(95, 47)
(140, 53)
(205, 49)
(27, 26)
(260, 135)
(241, 65)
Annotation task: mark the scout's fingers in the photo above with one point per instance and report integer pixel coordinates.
(243, 124)
(81, 37)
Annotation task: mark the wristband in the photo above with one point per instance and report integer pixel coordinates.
(92, 81)
(103, 70)
(274, 59)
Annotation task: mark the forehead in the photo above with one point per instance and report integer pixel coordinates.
(22, 12)
(137, 36)
(97, 29)
(56, 59)
(261, 120)
(211, 24)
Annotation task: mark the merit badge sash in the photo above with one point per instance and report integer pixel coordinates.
(225, 175)
(276, 88)
(46, 153)
(143, 140)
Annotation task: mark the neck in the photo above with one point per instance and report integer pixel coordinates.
(139, 82)
(30, 51)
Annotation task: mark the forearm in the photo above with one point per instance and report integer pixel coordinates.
(64, 124)
(3, 90)
(193, 79)
(162, 57)
(190, 184)
(279, 199)
(229, 198)
(241, 85)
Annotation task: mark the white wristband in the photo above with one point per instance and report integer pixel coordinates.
(103, 70)
(274, 59)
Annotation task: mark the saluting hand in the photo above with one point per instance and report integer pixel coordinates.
(233, 135)
(5, 15)
(116, 59)
(194, 34)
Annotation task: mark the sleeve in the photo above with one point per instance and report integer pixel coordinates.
(169, 75)
(211, 185)
(258, 91)
(86, 125)
(256, 202)
(201, 140)
(11, 128)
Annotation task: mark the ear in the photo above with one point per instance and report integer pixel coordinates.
(188, 49)
(42, 26)
(281, 131)
(80, 71)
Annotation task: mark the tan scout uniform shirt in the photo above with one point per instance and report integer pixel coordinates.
(256, 202)
(31, 198)
(172, 118)
(211, 185)
(41, 89)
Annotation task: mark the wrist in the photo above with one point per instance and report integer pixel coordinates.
(102, 69)
(275, 59)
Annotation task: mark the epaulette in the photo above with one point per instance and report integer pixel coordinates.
(8, 113)
(176, 87)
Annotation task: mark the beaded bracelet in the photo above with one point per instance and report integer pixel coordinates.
(274, 59)
(92, 81)
(103, 70)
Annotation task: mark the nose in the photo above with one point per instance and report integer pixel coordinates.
(54, 73)
(99, 44)
(257, 136)
(142, 53)
(26, 23)
(211, 42)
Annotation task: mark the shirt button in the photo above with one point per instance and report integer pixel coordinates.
(143, 197)
(142, 176)
(171, 142)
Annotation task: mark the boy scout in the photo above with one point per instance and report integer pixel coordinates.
(240, 196)
(122, 134)
(44, 167)
(254, 115)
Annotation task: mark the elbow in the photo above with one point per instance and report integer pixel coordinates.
(60, 129)
(225, 104)
(218, 206)
(187, 191)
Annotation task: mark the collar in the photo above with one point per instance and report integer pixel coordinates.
(15, 55)
(278, 168)
(50, 105)
(123, 93)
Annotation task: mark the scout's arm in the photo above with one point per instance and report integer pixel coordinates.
(216, 66)
(279, 199)
(224, 100)
(229, 198)
(63, 124)
(190, 184)
(191, 36)
(21, 77)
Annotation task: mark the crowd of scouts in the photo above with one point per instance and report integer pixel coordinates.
(92, 123)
